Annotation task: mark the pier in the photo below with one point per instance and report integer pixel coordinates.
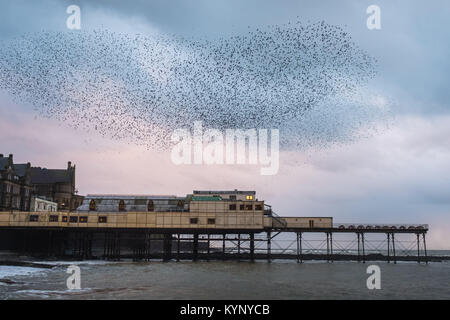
(205, 225)
(360, 243)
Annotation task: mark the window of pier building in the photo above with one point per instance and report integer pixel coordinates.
(121, 205)
(84, 219)
(92, 205)
(150, 206)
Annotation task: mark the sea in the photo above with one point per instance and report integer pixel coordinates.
(230, 280)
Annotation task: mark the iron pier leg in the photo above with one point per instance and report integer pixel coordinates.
(118, 246)
(328, 247)
(223, 245)
(331, 246)
(149, 248)
(298, 248)
(418, 248)
(268, 246)
(178, 247)
(252, 247)
(49, 245)
(167, 247)
(393, 248)
(209, 248)
(425, 248)
(195, 249)
(239, 245)
(301, 248)
(388, 247)
(104, 246)
(363, 248)
(358, 235)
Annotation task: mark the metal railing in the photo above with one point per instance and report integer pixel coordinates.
(277, 221)
(380, 226)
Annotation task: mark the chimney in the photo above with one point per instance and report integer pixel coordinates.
(69, 165)
(10, 160)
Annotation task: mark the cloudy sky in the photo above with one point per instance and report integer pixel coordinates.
(398, 172)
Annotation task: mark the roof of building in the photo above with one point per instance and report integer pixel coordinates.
(20, 169)
(224, 192)
(131, 197)
(44, 175)
(196, 198)
(3, 162)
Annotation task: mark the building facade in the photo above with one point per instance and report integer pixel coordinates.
(19, 182)
(15, 185)
(42, 205)
(57, 185)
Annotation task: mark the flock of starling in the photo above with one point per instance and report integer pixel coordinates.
(141, 88)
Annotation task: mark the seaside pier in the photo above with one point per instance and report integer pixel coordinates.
(288, 238)
(207, 225)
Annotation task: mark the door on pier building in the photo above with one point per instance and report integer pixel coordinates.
(311, 224)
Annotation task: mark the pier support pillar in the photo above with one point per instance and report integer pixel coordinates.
(425, 248)
(252, 247)
(268, 246)
(393, 248)
(178, 247)
(418, 248)
(195, 247)
(209, 247)
(388, 247)
(363, 248)
(328, 247)
(224, 236)
(331, 246)
(118, 246)
(300, 247)
(239, 245)
(359, 256)
(167, 247)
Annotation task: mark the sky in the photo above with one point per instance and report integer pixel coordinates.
(396, 171)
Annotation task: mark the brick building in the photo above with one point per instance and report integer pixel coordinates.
(15, 185)
(58, 185)
(19, 182)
